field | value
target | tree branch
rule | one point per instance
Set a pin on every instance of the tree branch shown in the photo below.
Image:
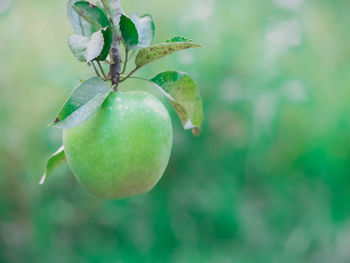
(116, 58)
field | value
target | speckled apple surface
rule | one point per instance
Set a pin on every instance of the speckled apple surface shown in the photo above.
(124, 148)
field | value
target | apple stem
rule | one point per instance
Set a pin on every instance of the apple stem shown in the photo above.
(115, 67)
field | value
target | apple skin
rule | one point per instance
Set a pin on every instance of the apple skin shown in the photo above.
(124, 148)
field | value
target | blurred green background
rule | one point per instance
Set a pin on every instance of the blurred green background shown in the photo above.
(268, 179)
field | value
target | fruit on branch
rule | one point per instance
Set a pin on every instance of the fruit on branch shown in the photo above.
(118, 144)
(124, 148)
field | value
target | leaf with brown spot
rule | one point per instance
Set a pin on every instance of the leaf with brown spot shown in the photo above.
(83, 102)
(183, 94)
(149, 54)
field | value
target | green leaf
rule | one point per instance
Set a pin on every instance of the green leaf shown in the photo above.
(83, 102)
(145, 28)
(108, 39)
(182, 39)
(98, 20)
(129, 32)
(149, 54)
(114, 9)
(183, 94)
(92, 14)
(79, 25)
(86, 49)
(55, 160)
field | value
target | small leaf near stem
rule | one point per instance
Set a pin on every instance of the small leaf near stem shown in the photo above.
(86, 49)
(92, 14)
(98, 21)
(145, 29)
(129, 32)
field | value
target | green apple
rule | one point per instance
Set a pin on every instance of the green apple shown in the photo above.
(124, 148)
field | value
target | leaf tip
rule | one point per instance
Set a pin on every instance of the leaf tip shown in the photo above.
(196, 131)
(42, 180)
(53, 124)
